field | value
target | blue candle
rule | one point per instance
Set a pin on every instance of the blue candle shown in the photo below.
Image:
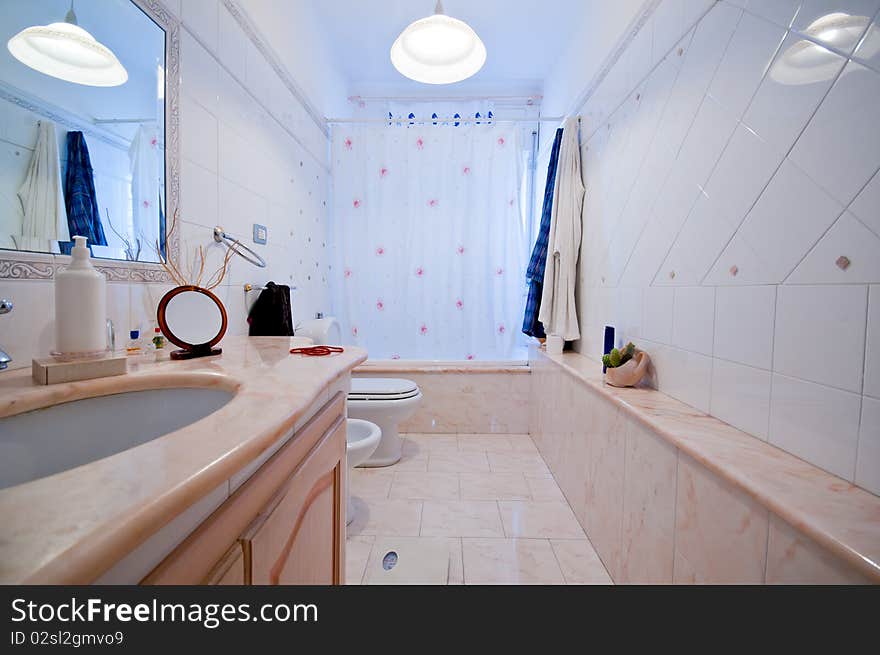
(609, 342)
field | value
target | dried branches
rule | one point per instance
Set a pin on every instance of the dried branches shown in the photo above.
(194, 272)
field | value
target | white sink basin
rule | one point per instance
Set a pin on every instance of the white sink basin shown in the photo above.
(57, 438)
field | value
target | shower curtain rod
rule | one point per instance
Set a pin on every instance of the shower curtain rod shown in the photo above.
(529, 98)
(536, 119)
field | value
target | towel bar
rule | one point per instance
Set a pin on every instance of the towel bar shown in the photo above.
(238, 247)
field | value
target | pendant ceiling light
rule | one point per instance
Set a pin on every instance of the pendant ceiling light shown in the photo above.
(438, 49)
(68, 52)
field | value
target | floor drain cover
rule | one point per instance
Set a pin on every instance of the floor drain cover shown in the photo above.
(389, 561)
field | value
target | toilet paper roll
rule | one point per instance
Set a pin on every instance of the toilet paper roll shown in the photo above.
(555, 344)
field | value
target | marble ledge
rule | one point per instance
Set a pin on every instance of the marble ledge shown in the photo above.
(415, 366)
(70, 527)
(843, 518)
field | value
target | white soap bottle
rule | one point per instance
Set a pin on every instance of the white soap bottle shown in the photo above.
(80, 305)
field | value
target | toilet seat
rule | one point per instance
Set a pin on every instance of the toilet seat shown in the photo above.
(382, 389)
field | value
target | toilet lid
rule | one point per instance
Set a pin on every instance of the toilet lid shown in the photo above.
(382, 389)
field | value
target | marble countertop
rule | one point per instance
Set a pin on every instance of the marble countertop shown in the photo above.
(69, 527)
(840, 516)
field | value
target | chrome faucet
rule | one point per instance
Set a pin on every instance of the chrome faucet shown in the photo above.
(5, 308)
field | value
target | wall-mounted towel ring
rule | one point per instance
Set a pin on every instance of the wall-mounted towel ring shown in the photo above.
(238, 247)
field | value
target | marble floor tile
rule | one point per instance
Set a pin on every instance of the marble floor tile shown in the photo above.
(420, 561)
(522, 443)
(432, 442)
(510, 561)
(369, 483)
(456, 563)
(579, 562)
(529, 463)
(487, 443)
(412, 459)
(415, 485)
(357, 553)
(385, 517)
(457, 462)
(462, 518)
(539, 520)
(494, 486)
(544, 487)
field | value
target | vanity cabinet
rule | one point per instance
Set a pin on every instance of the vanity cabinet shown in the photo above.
(285, 525)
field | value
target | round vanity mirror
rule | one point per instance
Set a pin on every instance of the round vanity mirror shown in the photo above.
(194, 319)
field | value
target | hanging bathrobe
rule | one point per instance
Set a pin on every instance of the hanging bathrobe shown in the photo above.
(535, 271)
(42, 200)
(558, 312)
(83, 218)
(144, 159)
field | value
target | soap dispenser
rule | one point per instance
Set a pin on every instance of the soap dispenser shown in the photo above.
(80, 305)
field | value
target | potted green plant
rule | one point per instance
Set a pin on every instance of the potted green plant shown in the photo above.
(625, 367)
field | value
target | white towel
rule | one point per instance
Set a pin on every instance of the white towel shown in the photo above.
(558, 311)
(41, 195)
(144, 159)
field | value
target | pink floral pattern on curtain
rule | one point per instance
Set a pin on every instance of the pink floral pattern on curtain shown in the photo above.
(446, 210)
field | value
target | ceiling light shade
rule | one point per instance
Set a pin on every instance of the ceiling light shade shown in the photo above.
(438, 49)
(68, 52)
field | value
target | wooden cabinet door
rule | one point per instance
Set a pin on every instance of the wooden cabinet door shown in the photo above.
(299, 538)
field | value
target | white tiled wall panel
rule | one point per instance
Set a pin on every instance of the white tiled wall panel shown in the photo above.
(732, 216)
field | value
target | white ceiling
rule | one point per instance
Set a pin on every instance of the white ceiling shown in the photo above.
(524, 38)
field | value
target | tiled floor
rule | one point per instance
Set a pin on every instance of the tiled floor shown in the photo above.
(486, 503)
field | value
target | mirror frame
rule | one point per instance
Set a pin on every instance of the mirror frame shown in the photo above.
(25, 265)
(191, 349)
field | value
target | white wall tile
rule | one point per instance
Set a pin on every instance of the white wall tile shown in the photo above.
(866, 206)
(872, 347)
(787, 98)
(702, 238)
(744, 324)
(233, 44)
(868, 51)
(849, 238)
(841, 146)
(199, 71)
(710, 132)
(749, 54)
(694, 319)
(781, 12)
(198, 194)
(788, 219)
(815, 328)
(684, 375)
(810, 17)
(202, 16)
(817, 423)
(657, 324)
(745, 168)
(868, 461)
(741, 396)
(198, 134)
(29, 329)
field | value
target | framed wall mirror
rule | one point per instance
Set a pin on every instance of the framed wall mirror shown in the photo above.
(89, 143)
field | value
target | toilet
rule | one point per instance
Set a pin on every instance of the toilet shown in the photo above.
(361, 440)
(383, 401)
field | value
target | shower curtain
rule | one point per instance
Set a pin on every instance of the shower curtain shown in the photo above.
(429, 240)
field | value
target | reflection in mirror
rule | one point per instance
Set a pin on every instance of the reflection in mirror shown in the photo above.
(194, 319)
(78, 159)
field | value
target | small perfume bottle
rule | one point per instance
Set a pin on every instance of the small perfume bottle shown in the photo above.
(133, 347)
(158, 339)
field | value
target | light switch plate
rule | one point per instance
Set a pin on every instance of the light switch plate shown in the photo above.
(261, 234)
